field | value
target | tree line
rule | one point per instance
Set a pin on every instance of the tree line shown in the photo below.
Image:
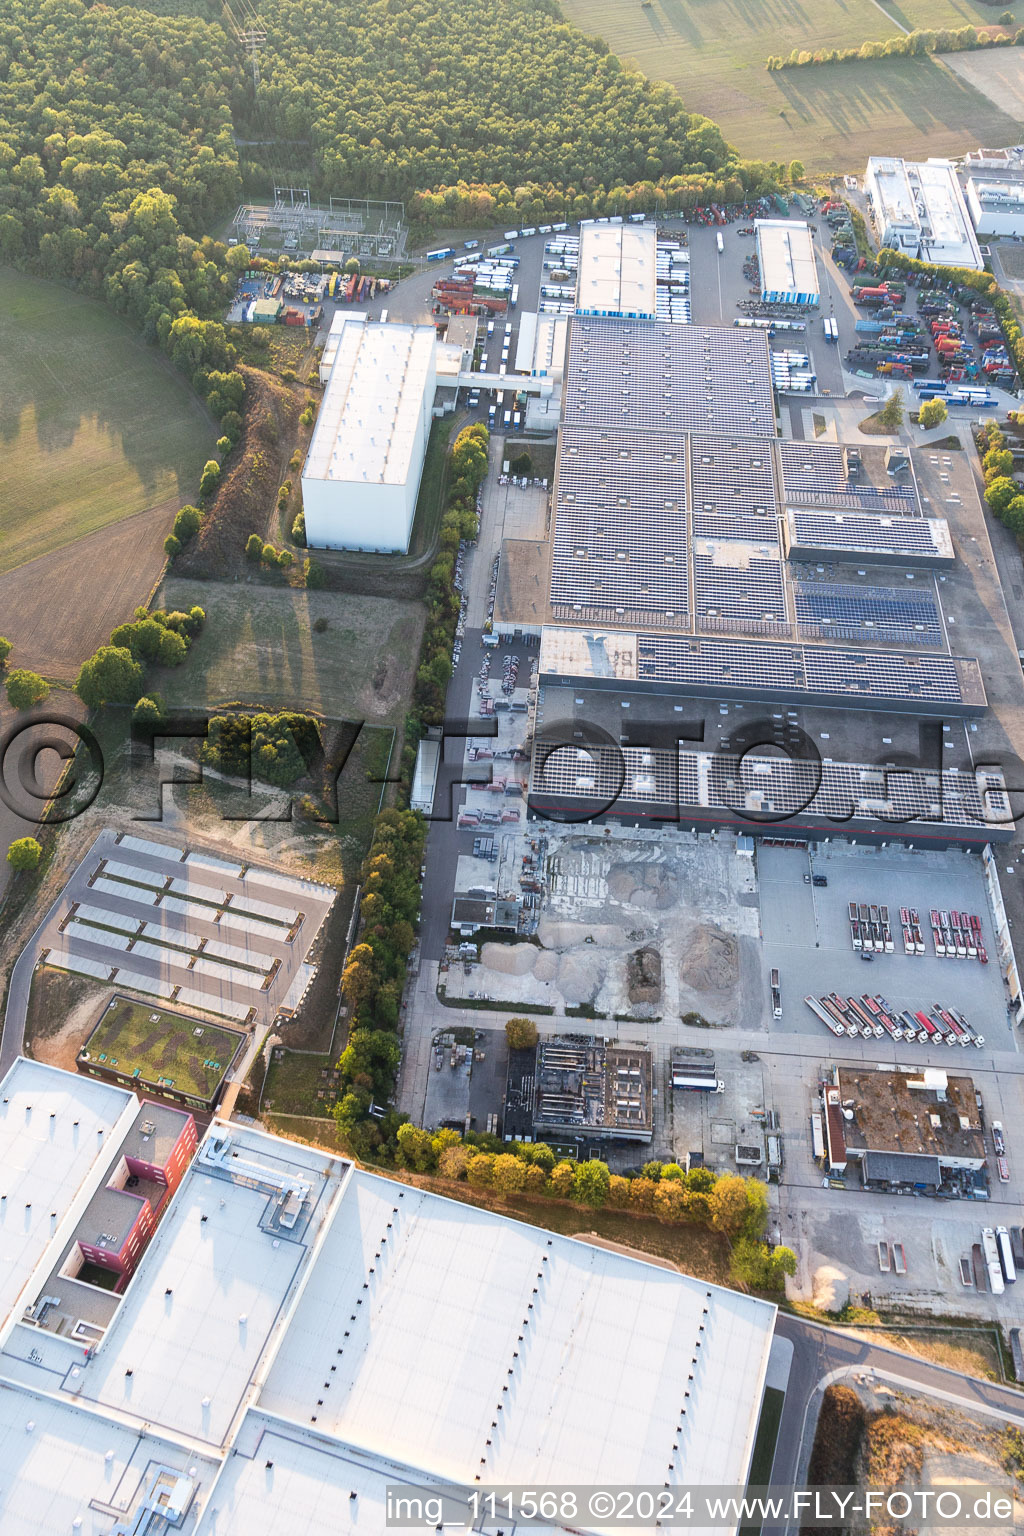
(735, 1207)
(511, 103)
(1003, 495)
(116, 155)
(903, 45)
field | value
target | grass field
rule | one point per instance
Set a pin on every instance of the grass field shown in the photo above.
(260, 647)
(144, 1043)
(95, 426)
(831, 116)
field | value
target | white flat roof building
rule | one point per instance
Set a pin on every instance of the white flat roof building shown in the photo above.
(617, 273)
(594, 1389)
(342, 317)
(319, 1333)
(56, 1134)
(919, 209)
(785, 252)
(363, 467)
(996, 205)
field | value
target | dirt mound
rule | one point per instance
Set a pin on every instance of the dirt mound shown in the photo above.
(546, 967)
(652, 886)
(643, 976)
(579, 977)
(711, 960)
(248, 493)
(512, 959)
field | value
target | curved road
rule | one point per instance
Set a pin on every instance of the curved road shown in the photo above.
(822, 1355)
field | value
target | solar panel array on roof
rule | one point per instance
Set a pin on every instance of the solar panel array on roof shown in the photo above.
(620, 544)
(742, 592)
(658, 377)
(923, 538)
(731, 475)
(816, 474)
(846, 611)
(758, 785)
(880, 678)
(747, 527)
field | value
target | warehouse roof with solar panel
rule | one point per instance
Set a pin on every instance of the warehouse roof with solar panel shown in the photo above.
(697, 557)
(340, 1331)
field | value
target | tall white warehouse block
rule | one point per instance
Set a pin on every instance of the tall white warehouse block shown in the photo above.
(362, 472)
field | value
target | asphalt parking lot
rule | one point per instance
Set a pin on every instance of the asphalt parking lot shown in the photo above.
(793, 911)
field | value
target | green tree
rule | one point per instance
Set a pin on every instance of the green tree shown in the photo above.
(1000, 492)
(509, 1174)
(536, 1180)
(591, 1183)
(314, 575)
(254, 548)
(149, 709)
(480, 1169)
(112, 676)
(24, 854)
(932, 413)
(669, 1200)
(452, 1162)
(5, 650)
(187, 524)
(299, 530)
(24, 688)
(172, 649)
(541, 1156)
(618, 1192)
(521, 1034)
(415, 1148)
(209, 479)
(1013, 517)
(561, 1180)
(890, 417)
(728, 1203)
(997, 462)
(641, 1194)
(796, 171)
(172, 546)
(756, 1214)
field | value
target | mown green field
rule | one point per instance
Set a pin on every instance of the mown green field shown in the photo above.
(94, 426)
(260, 647)
(832, 117)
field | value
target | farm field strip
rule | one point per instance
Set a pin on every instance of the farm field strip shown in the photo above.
(828, 116)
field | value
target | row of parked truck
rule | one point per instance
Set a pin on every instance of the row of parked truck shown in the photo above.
(876, 1016)
(955, 935)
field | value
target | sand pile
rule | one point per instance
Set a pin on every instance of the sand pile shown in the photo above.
(512, 959)
(831, 1289)
(579, 976)
(711, 960)
(546, 967)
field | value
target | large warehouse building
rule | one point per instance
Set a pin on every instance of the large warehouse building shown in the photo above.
(362, 472)
(292, 1347)
(997, 204)
(919, 209)
(617, 273)
(742, 630)
(785, 253)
